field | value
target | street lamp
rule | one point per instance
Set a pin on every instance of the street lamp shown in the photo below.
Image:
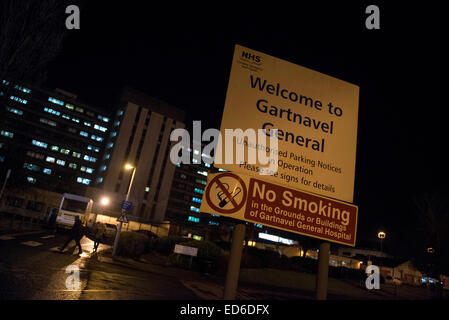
(381, 235)
(117, 236)
(105, 201)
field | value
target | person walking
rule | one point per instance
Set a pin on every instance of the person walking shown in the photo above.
(99, 235)
(76, 233)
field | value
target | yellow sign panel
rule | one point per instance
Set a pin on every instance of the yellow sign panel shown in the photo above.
(315, 116)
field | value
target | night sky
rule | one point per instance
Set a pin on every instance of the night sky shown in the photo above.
(183, 55)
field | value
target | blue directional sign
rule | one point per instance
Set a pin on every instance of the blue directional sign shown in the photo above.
(127, 205)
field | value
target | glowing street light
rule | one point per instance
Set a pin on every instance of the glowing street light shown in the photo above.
(381, 235)
(105, 201)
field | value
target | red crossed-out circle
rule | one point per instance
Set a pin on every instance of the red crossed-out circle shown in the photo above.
(216, 180)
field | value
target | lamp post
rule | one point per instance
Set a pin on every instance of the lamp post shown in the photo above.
(119, 229)
(381, 235)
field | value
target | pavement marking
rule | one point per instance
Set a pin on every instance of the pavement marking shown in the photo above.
(32, 243)
(48, 237)
(6, 237)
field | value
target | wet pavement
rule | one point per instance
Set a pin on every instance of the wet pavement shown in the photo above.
(32, 268)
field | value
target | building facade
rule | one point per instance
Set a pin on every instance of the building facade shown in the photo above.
(140, 138)
(50, 140)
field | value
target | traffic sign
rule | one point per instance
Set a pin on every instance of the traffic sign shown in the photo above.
(127, 205)
(123, 218)
(262, 202)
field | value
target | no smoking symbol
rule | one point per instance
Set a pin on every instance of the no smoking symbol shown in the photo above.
(222, 193)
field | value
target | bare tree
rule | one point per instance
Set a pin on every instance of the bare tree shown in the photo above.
(31, 35)
(432, 230)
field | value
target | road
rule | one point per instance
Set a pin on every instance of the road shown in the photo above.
(31, 268)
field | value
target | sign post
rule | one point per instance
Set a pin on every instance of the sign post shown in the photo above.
(232, 275)
(322, 273)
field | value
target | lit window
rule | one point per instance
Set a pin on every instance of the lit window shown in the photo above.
(7, 134)
(105, 119)
(76, 154)
(23, 89)
(213, 223)
(100, 180)
(103, 168)
(49, 122)
(69, 106)
(65, 116)
(193, 219)
(23, 101)
(183, 176)
(6, 83)
(195, 199)
(39, 144)
(87, 169)
(56, 101)
(54, 148)
(201, 181)
(73, 165)
(96, 138)
(60, 162)
(193, 208)
(88, 124)
(83, 180)
(195, 160)
(50, 159)
(79, 109)
(204, 173)
(147, 189)
(76, 120)
(31, 180)
(96, 149)
(207, 165)
(119, 113)
(102, 129)
(15, 111)
(47, 171)
(31, 167)
(2, 159)
(65, 151)
(89, 158)
(198, 190)
(222, 170)
(107, 156)
(84, 134)
(52, 111)
(110, 145)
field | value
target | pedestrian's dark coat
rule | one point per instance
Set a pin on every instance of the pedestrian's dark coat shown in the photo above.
(76, 230)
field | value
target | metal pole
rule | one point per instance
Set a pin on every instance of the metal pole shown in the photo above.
(119, 229)
(232, 275)
(323, 269)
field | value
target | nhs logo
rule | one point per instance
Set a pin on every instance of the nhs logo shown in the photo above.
(250, 56)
